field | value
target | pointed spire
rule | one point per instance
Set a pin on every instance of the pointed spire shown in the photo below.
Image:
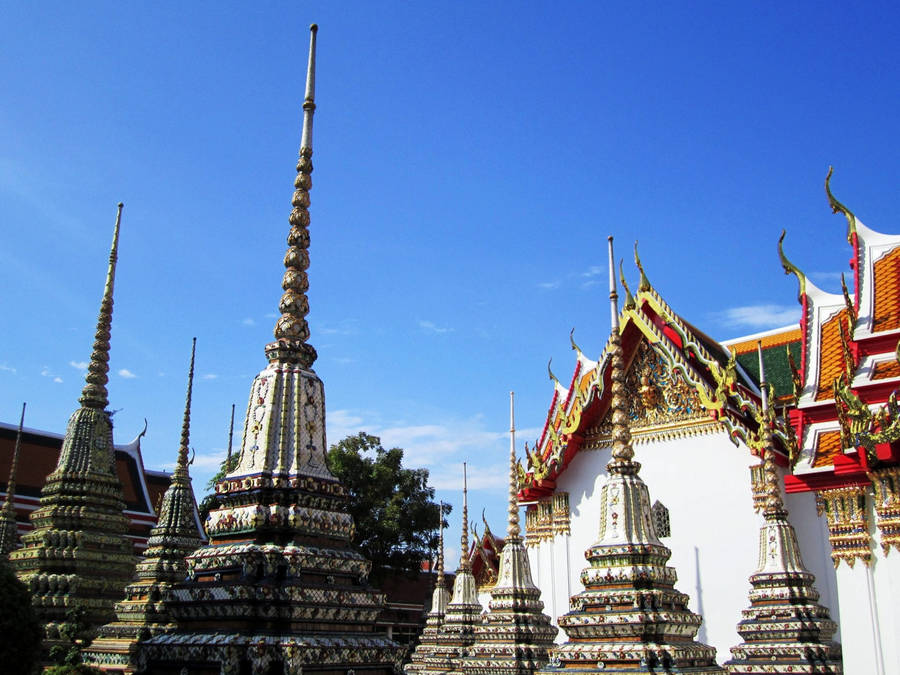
(513, 529)
(182, 465)
(464, 563)
(774, 505)
(291, 329)
(94, 394)
(622, 452)
(9, 534)
(230, 439)
(440, 557)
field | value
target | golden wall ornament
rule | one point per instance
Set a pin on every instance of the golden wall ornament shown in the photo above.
(758, 487)
(886, 482)
(560, 513)
(848, 529)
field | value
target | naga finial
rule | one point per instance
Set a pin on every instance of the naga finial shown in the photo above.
(291, 328)
(791, 268)
(644, 283)
(183, 463)
(94, 394)
(837, 207)
(550, 373)
(852, 314)
(572, 342)
(629, 298)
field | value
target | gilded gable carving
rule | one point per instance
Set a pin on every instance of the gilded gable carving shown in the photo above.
(661, 402)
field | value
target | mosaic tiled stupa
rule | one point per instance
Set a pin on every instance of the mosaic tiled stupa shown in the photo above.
(9, 528)
(785, 629)
(143, 613)
(77, 555)
(456, 635)
(515, 636)
(428, 639)
(279, 589)
(629, 618)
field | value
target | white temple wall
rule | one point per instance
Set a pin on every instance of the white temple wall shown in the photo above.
(870, 597)
(704, 482)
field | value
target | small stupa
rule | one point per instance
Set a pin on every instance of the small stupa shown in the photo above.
(457, 633)
(515, 636)
(9, 527)
(78, 554)
(143, 613)
(279, 588)
(428, 639)
(629, 618)
(785, 629)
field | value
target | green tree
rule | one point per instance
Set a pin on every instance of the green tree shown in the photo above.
(80, 635)
(393, 508)
(210, 501)
(20, 630)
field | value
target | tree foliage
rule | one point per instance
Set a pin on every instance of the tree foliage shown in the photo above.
(20, 630)
(210, 501)
(393, 507)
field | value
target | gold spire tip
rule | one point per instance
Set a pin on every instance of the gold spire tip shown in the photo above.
(313, 27)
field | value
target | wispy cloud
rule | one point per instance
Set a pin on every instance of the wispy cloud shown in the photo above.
(826, 277)
(758, 317)
(7, 369)
(342, 327)
(587, 284)
(431, 327)
(549, 285)
(47, 372)
(79, 365)
(210, 376)
(248, 321)
(127, 374)
(594, 271)
(343, 360)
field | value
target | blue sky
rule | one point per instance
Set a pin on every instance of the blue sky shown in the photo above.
(470, 161)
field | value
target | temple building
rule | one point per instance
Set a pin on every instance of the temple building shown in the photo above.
(143, 613)
(279, 587)
(694, 408)
(78, 554)
(142, 488)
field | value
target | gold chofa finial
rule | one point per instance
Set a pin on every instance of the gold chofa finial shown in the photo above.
(292, 329)
(837, 207)
(94, 394)
(791, 268)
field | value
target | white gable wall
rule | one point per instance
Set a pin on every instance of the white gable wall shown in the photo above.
(704, 481)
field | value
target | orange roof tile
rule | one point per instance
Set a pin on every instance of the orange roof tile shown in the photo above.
(886, 369)
(831, 354)
(828, 446)
(886, 314)
(776, 340)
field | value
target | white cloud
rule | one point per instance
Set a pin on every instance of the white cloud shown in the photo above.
(58, 380)
(45, 371)
(342, 327)
(431, 327)
(248, 322)
(127, 374)
(7, 369)
(826, 277)
(343, 360)
(758, 317)
(210, 376)
(549, 285)
(593, 271)
(79, 365)
(587, 284)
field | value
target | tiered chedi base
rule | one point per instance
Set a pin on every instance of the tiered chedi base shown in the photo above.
(77, 555)
(785, 630)
(630, 618)
(457, 634)
(515, 636)
(143, 614)
(279, 587)
(429, 638)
